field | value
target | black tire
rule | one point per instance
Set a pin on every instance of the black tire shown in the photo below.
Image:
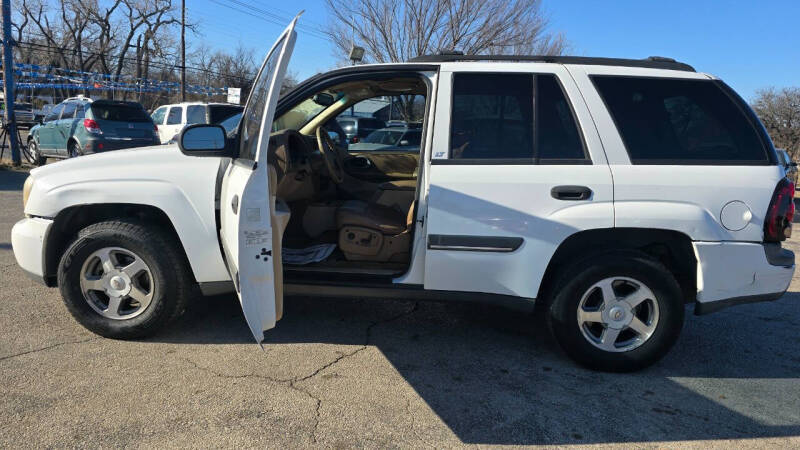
(171, 277)
(73, 150)
(577, 279)
(34, 155)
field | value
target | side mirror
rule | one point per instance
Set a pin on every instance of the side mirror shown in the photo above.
(323, 99)
(202, 140)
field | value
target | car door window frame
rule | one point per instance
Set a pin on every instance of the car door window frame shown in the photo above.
(533, 160)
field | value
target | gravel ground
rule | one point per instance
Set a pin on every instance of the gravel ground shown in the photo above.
(358, 373)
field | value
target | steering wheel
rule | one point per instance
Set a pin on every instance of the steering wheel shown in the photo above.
(333, 160)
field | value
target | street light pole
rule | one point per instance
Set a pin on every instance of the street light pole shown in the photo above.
(183, 50)
(8, 84)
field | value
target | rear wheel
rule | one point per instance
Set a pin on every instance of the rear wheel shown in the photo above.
(73, 150)
(124, 279)
(616, 312)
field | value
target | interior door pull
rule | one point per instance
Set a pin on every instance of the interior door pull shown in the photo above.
(571, 193)
(235, 204)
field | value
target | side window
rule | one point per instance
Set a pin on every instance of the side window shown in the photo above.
(158, 115)
(195, 114)
(80, 111)
(174, 117)
(54, 113)
(680, 121)
(69, 110)
(492, 116)
(557, 137)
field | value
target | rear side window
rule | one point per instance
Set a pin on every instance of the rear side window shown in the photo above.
(557, 135)
(678, 121)
(174, 116)
(492, 116)
(196, 114)
(69, 110)
(513, 119)
(121, 112)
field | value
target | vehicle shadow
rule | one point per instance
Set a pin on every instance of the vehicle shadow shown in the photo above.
(12, 180)
(494, 376)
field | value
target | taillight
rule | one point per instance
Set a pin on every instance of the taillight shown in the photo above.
(92, 126)
(354, 140)
(778, 223)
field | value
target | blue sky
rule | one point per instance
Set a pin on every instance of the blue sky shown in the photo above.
(749, 44)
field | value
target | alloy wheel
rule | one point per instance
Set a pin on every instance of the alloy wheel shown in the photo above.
(618, 314)
(116, 283)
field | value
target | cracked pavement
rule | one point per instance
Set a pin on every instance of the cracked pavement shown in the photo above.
(372, 373)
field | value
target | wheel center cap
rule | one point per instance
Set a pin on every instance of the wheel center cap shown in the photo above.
(118, 285)
(618, 316)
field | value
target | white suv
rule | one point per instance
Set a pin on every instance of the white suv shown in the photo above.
(610, 192)
(171, 119)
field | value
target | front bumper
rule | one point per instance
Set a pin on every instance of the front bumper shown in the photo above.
(732, 273)
(27, 239)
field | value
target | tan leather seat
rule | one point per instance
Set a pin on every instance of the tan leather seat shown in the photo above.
(371, 215)
(373, 232)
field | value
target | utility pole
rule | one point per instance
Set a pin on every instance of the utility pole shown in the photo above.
(183, 50)
(8, 84)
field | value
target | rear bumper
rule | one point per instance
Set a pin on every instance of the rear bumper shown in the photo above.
(27, 240)
(107, 144)
(733, 273)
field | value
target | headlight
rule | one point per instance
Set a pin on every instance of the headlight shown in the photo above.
(26, 190)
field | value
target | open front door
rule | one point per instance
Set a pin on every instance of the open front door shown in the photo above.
(252, 222)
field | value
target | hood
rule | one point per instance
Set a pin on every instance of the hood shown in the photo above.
(134, 174)
(121, 162)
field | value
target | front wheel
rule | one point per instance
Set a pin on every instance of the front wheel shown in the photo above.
(124, 279)
(33, 154)
(616, 312)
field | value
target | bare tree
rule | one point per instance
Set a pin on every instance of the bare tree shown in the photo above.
(396, 30)
(779, 111)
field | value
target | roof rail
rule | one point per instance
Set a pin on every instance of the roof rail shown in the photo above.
(652, 62)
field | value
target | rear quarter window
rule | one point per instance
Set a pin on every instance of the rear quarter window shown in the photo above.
(681, 121)
(119, 112)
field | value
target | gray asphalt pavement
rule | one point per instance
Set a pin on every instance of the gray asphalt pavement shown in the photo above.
(353, 373)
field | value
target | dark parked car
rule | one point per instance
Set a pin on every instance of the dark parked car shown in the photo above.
(80, 126)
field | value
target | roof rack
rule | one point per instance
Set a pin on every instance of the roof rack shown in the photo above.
(652, 62)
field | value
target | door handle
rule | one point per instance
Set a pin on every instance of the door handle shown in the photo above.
(571, 192)
(235, 204)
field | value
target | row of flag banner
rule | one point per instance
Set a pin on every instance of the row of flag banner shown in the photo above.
(49, 77)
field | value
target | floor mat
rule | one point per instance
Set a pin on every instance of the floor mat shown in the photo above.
(308, 255)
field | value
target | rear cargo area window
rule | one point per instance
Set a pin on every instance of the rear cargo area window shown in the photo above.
(119, 112)
(678, 121)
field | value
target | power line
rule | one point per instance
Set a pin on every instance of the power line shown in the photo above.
(259, 14)
(32, 45)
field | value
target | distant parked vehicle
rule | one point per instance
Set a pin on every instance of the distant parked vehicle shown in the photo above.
(23, 113)
(79, 126)
(386, 139)
(357, 128)
(171, 119)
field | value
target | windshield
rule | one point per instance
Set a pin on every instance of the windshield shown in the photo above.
(385, 137)
(302, 113)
